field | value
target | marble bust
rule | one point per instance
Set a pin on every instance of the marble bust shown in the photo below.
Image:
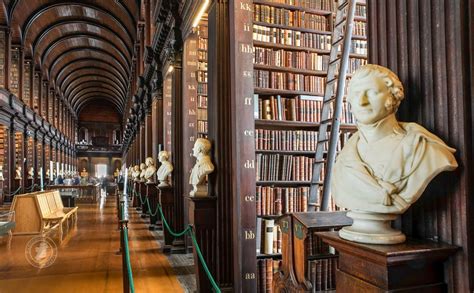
(31, 173)
(165, 169)
(1, 173)
(150, 170)
(18, 173)
(136, 173)
(142, 172)
(386, 165)
(83, 172)
(47, 173)
(202, 168)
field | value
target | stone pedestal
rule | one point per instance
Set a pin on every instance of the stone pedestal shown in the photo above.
(135, 200)
(202, 215)
(414, 266)
(142, 205)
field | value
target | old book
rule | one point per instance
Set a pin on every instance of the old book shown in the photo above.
(269, 226)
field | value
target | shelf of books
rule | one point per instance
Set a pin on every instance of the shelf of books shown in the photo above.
(4, 154)
(19, 152)
(3, 44)
(292, 41)
(201, 75)
(30, 152)
(47, 160)
(36, 91)
(39, 157)
(15, 71)
(26, 95)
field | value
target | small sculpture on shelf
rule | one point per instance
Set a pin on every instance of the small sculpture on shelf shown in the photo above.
(18, 173)
(150, 170)
(84, 173)
(142, 172)
(165, 169)
(31, 173)
(136, 173)
(385, 166)
(202, 168)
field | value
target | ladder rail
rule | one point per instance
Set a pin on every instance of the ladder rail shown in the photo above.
(336, 123)
(335, 60)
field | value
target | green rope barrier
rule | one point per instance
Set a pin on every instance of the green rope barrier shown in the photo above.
(15, 192)
(127, 258)
(149, 208)
(196, 245)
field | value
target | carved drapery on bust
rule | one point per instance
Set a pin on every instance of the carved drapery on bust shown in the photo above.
(165, 169)
(202, 168)
(31, 173)
(136, 173)
(386, 165)
(150, 170)
(142, 172)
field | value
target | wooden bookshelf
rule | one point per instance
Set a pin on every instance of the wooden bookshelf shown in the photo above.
(285, 118)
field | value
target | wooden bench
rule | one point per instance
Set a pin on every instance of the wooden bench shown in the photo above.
(41, 212)
(7, 223)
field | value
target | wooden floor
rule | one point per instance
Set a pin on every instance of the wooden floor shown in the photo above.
(87, 259)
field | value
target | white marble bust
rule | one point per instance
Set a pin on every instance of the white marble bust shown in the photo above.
(136, 173)
(150, 170)
(1, 173)
(385, 166)
(18, 173)
(142, 172)
(47, 173)
(31, 173)
(165, 169)
(202, 168)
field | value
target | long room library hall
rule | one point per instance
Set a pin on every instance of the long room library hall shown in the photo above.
(254, 146)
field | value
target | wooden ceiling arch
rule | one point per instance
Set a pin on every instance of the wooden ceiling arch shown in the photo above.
(86, 83)
(82, 73)
(84, 48)
(75, 68)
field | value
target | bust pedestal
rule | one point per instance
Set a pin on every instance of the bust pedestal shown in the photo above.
(166, 199)
(413, 266)
(202, 215)
(135, 200)
(142, 192)
(152, 195)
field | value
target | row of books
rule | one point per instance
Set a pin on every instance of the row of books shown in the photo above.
(317, 246)
(26, 83)
(322, 274)
(291, 37)
(2, 57)
(15, 71)
(361, 10)
(202, 76)
(289, 81)
(304, 108)
(291, 59)
(202, 114)
(327, 5)
(202, 45)
(276, 201)
(202, 126)
(277, 167)
(202, 55)
(265, 270)
(297, 19)
(268, 238)
(359, 28)
(202, 89)
(202, 101)
(202, 66)
(291, 140)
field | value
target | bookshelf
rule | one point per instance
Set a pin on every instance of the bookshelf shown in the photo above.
(36, 93)
(39, 157)
(4, 154)
(19, 151)
(3, 46)
(27, 83)
(201, 76)
(15, 71)
(30, 149)
(292, 40)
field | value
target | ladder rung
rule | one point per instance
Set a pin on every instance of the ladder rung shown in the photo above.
(343, 5)
(334, 61)
(340, 40)
(339, 23)
(325, 121)
(329, 100)
(331, 81)
(323, 140)
(320, 162)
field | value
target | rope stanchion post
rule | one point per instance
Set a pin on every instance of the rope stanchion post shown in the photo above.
(123, 229)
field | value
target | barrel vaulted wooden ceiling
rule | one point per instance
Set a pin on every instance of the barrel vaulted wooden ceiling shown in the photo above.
(84, 48)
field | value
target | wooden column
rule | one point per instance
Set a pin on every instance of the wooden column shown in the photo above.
(429, 45)
(177, 155)
(231, 130)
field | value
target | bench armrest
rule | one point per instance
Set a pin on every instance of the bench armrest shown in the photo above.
(10, 215)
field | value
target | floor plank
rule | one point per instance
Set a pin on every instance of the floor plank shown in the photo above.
(87, 260)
